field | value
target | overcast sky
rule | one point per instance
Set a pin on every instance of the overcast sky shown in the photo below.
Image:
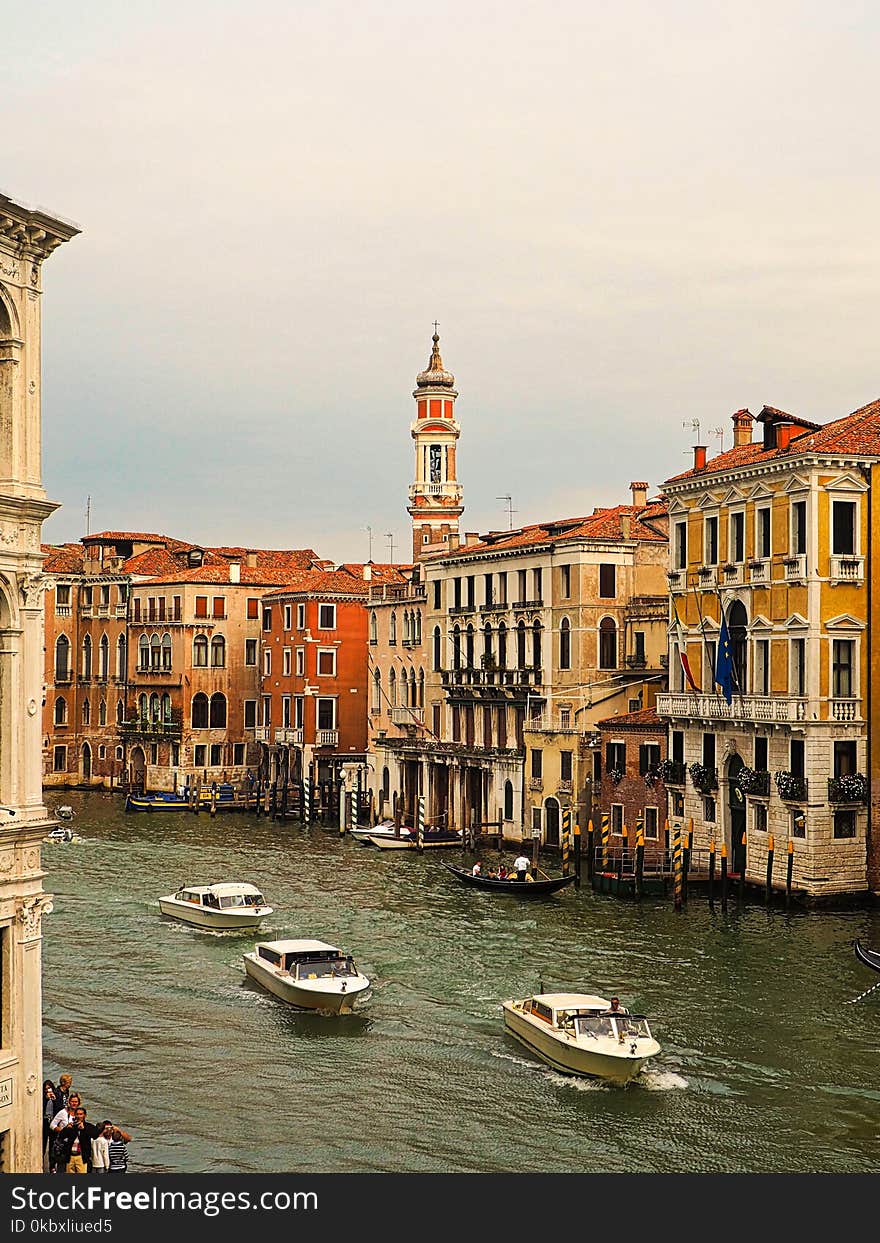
(624, 217)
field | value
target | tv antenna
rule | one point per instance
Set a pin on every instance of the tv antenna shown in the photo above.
(370, 538)
(719, 432)
(389, 535)
(694, 424)
(509, 507)
(88, 515)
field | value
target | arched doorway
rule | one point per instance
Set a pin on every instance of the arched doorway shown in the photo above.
(736, 805)
(138, 768)
(86, 762)
(551, 822)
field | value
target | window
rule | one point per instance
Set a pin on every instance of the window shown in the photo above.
(250, 713)
(709, 751)
(608, 581)
(238, 754)
(326, 662)
(155, 652)
(216, 754)
(86, 712)
(615, 757)
(326, 713)
(435, 650)
(761, 755)
(299, 708)
(487, 589)
(565, 765)
(844, 758)
(59, 759)
(288, 617)
(102, 712)
(762, 667)
(253, 608)
(438, 594)
(86, 597)
(374, 630)
(267, 618)
(639, 653)
(62, 657)
(650, 823)
(678, 746)
(392, 628)
(845, 822)
(798, 823)
(200, 651)
(102, 752)
(286, 662)
(537, 580)
(87, 657)
(709, 810)
(326, 616)
(60, 710)
(737, 537)
(201, 606)
(267, 710)
(677, 803)
(267, 662)
(120, 658)
(218, 652)
(565, 718)
(502, 587)
(796, 757)
(201, 752)
(762, 531)
(218, 711)
(508, 800)
(200, 711)
(62, 594)
(649, 758)
(710, 556)
(565, 581)
(680, 547)
(565, 644)
(300, 662)
(537, 762)
(759, 817)
(843, 528)
(798, 527)
(300, 617)
(798, 667)
(219, 606)
(136, 604)
(617, 818)
(607, 644)
(104, 658)
(521, 582)
(154, 753)
(842, 668)
(250, 651)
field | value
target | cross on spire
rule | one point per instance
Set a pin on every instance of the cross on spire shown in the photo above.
(436, 325)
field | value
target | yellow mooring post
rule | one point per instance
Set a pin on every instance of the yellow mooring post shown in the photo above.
(640, 862)
(768, 890)
(686, 863)
(605, 832)
(711, 873)
(591, 837)
(566, 840)
(724, 876)
(676, 866)
(576, 855)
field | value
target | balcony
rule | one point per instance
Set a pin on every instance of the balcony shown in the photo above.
(529, 604)
(85, 610)
(496, 607)
(462, 610)
(491, 677)
(547, 725)
(262, 733)
(672, 772)
(795, 568)
(121, 611)
(851, 788)
(731, 574)
(288, 734)
(705, 779)
(407, 716)
(563, 787)
(150, 730)
(754, 782)
(759, 572)
(792, 788)
(63, 610)
(677, 580)
(103, 610)
(754, 708)
(327, 738)
(844, 710)
(63, 676)
(536, 783)
(707, 578)
(636, 662)
(847, 569)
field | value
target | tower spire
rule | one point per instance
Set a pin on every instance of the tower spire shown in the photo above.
(435, 495)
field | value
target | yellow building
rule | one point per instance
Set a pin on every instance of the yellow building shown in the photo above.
(777, 532)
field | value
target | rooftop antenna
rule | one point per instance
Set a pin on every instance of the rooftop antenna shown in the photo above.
(719, 432)
(694, 424)
(389, 535)
(509, 507)
(370, 538)
(88, 515)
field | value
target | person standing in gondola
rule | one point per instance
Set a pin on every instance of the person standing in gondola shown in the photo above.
(521, 866)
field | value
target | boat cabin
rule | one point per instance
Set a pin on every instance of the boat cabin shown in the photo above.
(586, 1016)
(221, 897)
(306, 960)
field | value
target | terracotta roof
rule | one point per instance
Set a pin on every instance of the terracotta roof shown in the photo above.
(219, 574)
(63, 559)
(272, 558)
(602, 524)
(857, 433)
(133, 536)
(645, 718)
(322, 582)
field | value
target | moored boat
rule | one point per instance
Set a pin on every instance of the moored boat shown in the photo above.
(180, 800)
(385, 828)
(530, 888)
(868, 958)
(580, 1034)
(223, 907)
(310, 975)
(433, 839)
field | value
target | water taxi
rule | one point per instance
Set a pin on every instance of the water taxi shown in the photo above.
(230, 905)
(433, 839)
(580, 1034)
(311, 975)
(385, 828)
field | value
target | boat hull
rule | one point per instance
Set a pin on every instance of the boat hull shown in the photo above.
(326, 996)
(403, 843)
(515, 888)
(868, 958)
(569, 1058)
(207, 917)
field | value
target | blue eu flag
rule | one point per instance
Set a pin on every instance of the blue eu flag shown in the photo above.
(724, 662)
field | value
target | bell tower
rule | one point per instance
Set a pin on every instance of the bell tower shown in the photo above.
(435, 495)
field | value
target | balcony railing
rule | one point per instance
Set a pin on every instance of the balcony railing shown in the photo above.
(742, 708)
(759, 571)
(327, 738)
(529, 604)
(563, 787)
(705, 779)
(63, 610)
(792, 789)
(63, 675)
(461, 610)
(547, 725)
(707, 577)
(536, 783)
(141, 728)
(677, 580)
(845, 710)
(289, 734)
(731, 574)
(121, 610)
(495, 607)
(795, 567)
(672, 772)
(491, 677)
(853, 788)
(262, 733)
(407, 716)
(848, 569)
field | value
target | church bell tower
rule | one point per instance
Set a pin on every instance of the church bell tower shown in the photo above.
(435, 497)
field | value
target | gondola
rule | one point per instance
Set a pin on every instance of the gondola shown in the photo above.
(870, 958)
(519, 888)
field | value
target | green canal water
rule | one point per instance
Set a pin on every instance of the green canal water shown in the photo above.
(765, 1067)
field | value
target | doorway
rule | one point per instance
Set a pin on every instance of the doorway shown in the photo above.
(736, 804)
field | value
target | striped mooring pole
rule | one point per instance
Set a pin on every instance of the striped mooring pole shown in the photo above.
(591, 858)
(605, 832)
(724, 876)
(686, 862)
(676, 866)
(576, 855)
(307, 801)
(566, 841)
(420, 824)
(640, 860)
(354, 800)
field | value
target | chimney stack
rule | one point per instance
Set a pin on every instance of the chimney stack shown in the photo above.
(252, 560)
(234, 572)
(639, 495)
(471, 538)
(368, 572)
(783, 435)
(699, 457)
(624, 525)
(742, 428)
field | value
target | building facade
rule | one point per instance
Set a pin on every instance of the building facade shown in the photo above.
(27, 238)
(779, 533)
(630, 792)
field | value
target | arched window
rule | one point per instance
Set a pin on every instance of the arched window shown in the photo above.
(374, 632)
(142, 706)
(155, 652)
(392, 632)
(218, 711)
(392, 689)
(421, 702)
(418, 634)
(120, 658)
(166, 707)
(456, 648)
(200, 652)
(377, 692)
(87, 657)
(200, 711)
(60, 710)
(536, 645)
(487, 646)
(104, 658)
(521, 645)
(143, 652)
(413, 689)
(62, 657)
(218, 652)
(120, 711)
(166, 651)
(737, 623)
(469, 647)
(102, 712)
(565, 644)
(87, 712)
(502, 646)
(386, 783)
(155, 709)
(607, 643)
(435, 654)
(508, 800)
(407, 626)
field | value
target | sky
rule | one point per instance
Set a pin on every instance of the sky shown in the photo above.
(624, 217)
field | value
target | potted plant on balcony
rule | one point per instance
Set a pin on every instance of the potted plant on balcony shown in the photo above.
(752, 781)
(652, 774)
(790, 787)
(616, 775)
(851, 788)
(702, 777)
(666, 771)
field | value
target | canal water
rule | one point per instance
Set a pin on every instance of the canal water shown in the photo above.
(764, 1066)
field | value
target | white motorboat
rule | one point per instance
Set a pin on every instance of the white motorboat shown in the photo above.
(385, 828)
(581, 1034)
(311, 975)
(227, 906)
(432, 839)
(62, 833)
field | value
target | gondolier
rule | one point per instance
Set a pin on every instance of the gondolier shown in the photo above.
(521, 866)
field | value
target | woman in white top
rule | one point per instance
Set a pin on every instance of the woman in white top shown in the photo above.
(101, 1149)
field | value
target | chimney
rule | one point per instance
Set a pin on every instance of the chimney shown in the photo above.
(368, 572)
(454, 540)
(742, 428)
(699, 457)
(624, 525)
(252, 560)
(784, 433)
(234, 572)
(471, 538)
(639, 495)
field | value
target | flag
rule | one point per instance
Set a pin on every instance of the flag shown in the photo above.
(724, 662)
(682, 649)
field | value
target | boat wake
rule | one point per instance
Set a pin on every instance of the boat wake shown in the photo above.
(661, 1080)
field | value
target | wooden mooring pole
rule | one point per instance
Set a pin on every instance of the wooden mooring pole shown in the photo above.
(712, 874)
(724, 876)
(420, 824)
(566, 841)
(768, 888)
(788, 871)
(742, 871)
(576, 855)
(686, 862)
(591, 840)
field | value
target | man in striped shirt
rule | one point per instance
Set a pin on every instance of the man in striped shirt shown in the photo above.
(118, 1152)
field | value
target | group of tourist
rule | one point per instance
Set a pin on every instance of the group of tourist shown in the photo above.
(520, 870)
(72, 1144)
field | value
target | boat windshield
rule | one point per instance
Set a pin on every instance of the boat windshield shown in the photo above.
(594, 1025)
(632, 1025)
(324, 968)
(241, 899)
